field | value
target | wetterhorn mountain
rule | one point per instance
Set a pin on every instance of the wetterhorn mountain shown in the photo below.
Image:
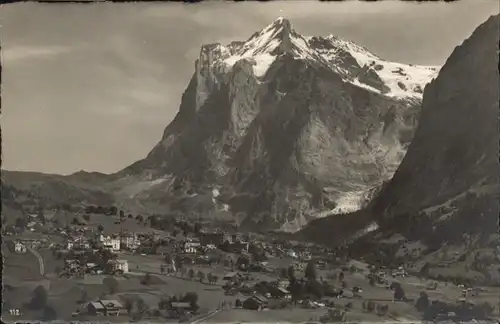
(286, 127)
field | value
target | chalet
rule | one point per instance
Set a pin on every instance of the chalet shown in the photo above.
(191, 247)
(111, 242)
(240, 246)
(18, 247)
(256, 302)
(105, 308)
(283, 283)
(282, 293)
(79, 243)
(31, 243)
(119, 266)
(71, 264)
(129, 241)
(231, 276)
(96, 309)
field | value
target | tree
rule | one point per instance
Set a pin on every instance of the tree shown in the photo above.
(41, 216)
(163, 303)
(84, 296)
(39, 298)
(291, 274)
(168, 258)
(423, 302)
(315, 288)
(49, 314)
(242, 261)
(128, 305)
(111, 284)
(370, 306)
(191, 273)
(141, 309)
(201, 276)
(424, 271)
(310, 271)
(296, 289)
(21, 223)
(178, 262)
(192, 299)
(399, 293)
(197, 228)
(382, 310)
(146, 280)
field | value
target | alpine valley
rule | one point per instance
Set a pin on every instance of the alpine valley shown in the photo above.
(441, 206)
(272, 132)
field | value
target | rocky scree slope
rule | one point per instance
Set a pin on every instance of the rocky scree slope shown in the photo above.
(286, 127)
(445, 191)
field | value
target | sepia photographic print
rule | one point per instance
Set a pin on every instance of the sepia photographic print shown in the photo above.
(250, 162)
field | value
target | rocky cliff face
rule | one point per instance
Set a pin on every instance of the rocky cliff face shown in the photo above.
(287, 127)
(450, 173)
(446, 188)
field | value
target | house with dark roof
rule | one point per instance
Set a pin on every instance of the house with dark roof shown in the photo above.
(231, 276)
(255, 302)
(105, 308)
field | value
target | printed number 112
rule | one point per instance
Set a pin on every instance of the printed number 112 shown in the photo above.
(14, 312)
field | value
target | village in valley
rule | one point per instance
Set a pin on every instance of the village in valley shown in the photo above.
(103, 264)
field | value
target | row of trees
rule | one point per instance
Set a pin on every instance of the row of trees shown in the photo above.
(463, 312)
(110, 210)
(192, 274)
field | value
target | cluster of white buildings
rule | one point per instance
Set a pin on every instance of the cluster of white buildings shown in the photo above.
(122, 241)
(114, 242)
(78, 243)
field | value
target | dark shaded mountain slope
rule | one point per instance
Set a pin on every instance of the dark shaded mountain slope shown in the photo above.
(445, 192)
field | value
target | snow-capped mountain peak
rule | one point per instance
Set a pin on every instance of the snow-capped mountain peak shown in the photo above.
(274, 39)
(355, 64)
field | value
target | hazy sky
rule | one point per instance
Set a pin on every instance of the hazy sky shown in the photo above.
(93, 86)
